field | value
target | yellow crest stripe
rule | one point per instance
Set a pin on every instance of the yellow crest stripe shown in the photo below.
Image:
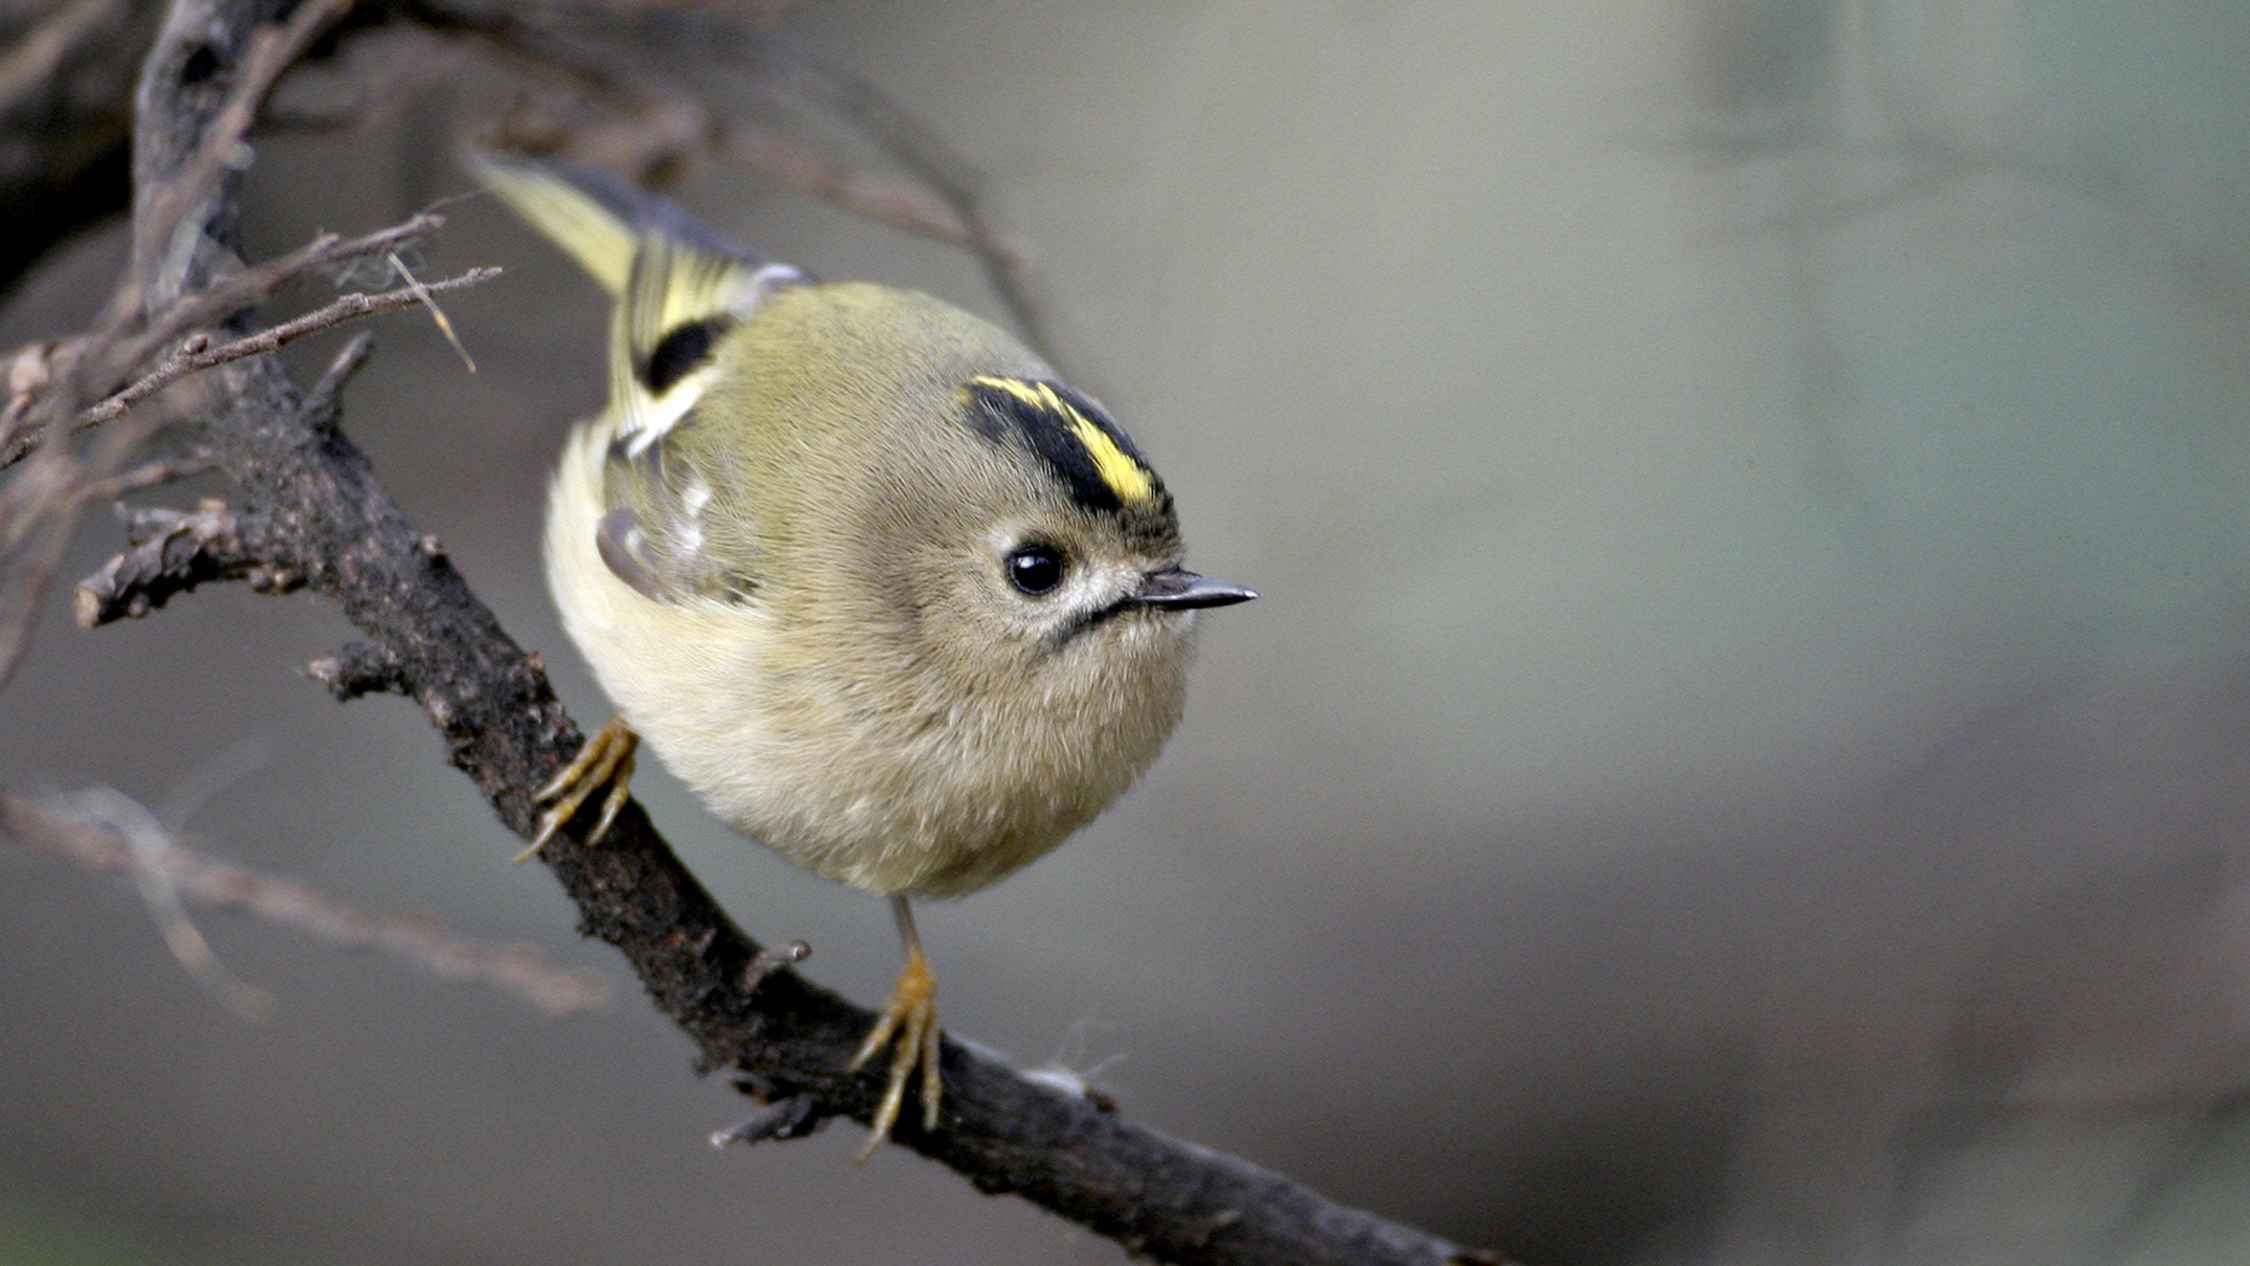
(1126, 477)
(1016, 387)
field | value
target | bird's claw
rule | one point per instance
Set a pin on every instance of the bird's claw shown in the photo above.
(605, 760)
(910, 1018)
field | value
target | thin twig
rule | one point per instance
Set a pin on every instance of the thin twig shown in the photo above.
(33, 60)
(898, 204)
(346, 308)
(324, 405)
(149, 855)
(437, 314)
(97, 842)
(141, 478)
(173, 552)
(66, 88)
(228, 296)
(197, 356)
(239, 290)
(916, 146)
(39, 511)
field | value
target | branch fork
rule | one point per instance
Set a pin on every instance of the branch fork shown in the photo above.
(172, 552)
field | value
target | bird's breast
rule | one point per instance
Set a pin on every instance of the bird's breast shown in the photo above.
(937, 798)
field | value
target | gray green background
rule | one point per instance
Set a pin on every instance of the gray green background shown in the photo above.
(1741, 759)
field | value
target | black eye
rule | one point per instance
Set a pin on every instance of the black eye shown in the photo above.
(1036, 569)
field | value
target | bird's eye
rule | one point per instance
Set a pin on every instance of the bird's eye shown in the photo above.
(1035, 569)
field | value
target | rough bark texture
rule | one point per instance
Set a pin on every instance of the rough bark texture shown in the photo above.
(325, 522)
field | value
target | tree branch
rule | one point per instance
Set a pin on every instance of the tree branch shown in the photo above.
(172, 553)
(516, 969)
(323, 520)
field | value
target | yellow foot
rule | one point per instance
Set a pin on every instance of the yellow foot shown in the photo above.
(912, 1018)
(605, 760)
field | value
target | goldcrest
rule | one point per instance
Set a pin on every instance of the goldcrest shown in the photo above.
(882, 591)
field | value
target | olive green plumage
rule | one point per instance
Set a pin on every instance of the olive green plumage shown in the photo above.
(885, 595)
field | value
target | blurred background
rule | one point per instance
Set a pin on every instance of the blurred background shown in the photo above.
(1741, 760)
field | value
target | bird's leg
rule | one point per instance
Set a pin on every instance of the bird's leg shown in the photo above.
(911, 1017)
(605, 760)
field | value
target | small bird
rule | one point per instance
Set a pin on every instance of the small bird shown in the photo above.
(887, 595)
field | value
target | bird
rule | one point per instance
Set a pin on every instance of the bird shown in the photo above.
(886, 593)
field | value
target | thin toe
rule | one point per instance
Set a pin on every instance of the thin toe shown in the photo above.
(605, 761)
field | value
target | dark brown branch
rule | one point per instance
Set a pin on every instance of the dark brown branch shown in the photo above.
(520, 970)
(324, 518)
(359, 669)
(172, 553)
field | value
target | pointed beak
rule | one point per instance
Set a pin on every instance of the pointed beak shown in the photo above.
(1174, 589)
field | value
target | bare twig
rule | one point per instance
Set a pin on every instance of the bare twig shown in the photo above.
(437, 314)
(791, 1118)
(141, 478)
(769, 960)
(96, 833)
(239, 290)
(324, 402)
(197, 353)
(199, 356)
(900, 205)
(39, 510)
(172, 553)
(33, 404)
(916, 146)
(148, 854)
(30, 64)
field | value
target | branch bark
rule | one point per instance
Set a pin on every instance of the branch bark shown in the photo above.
(172, 553)
(325, 522)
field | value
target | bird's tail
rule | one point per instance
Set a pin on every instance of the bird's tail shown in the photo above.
(679, 287)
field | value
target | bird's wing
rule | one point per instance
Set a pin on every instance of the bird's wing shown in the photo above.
(679, 290)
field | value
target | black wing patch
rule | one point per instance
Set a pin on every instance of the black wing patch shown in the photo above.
(682, 352)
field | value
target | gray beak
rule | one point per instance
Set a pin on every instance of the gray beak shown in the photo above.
(1177, 590)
